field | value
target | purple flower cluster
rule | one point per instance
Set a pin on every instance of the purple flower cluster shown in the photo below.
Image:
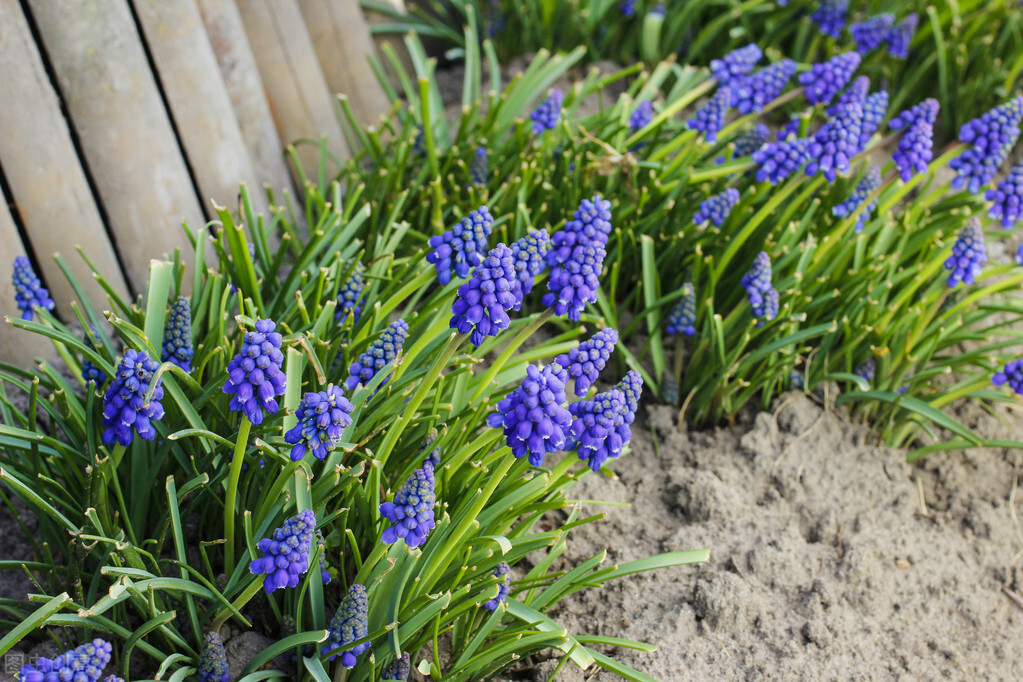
(254, 376)
(825, 80)
(433, 456)
(585, 363)
(591, 224)
(1007, 198)
(916, 145)
(628, 8)
(411, 513)
(778, 160)
(91, 372)
(641, 116)
(533, 416)
(1011, 374)
(760, 290)
(669, 388)
(1019, 255)
(710, 118)
(530, 254)
(479, 167)
(750, 141)
(754, 92)
(375, 358)
(213, 666)
(716, 208)
(322, 416)
(462, 247)
(349, 624)
(836, 142)
(177, 335)
(28, 290)
(875, 106)
(398, 669)
(125, 411)
(901, 35)
(830, 16)
(870, 182)
(682, 318)
(632, 386)
(599, 428)
(547, 114)
(735, 65)
(865, 370)
(482, 302)
(286, 553)
(84, 663)
(968, 255)
(991, 138)
(502, 573)
(349, 296)
(574, 283)
(871, 32)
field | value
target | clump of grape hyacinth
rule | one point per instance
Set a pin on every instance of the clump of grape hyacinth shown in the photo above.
(836, 142)
(462, 247)
(482, 304)
(710, 118)
(177, 335)
(735, 65)
(349, 296)
(900, 36)
(322, 416)
(779, 160)
(349, 624)
(503, 573)
(254, 376)
(530, 254)
(1007, 198)
(991, 138)
(751, 140)
(591, 224)
(716, 208)
(585, 363)
(91, 372)
(865, 370)
(754, 92)
(433, 456)
(411, 512)
(213, 665)
(478, 167)
(760, 290)
(398, 669)
(533, 416)
(871, 32)
(830, 16)
(125, 411)
(547, 114)
(286, 553)
(28, 290)
(870, 182)
(1011, 374)
(599, 428)
(825, 80)
(84, 663)
(968, 255)
(916, 144)
(574, 283)
(375, 358)
(642, 115)
(682, 317)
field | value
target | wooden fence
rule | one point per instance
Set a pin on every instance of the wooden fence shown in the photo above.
(122, 118)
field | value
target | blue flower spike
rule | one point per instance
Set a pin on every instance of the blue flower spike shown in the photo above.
(1019, 255)
(760, 290)
(641, 116)
(534, 416)
(916, 145)
(322, 417)
(433, 456)
(349, 624)
(478, 167)
(968, 255)
(866, 369)
(480, 309)
(213, 666)
(756, 91)
(585, 363)
(349, 296)
(28, 289)
(286, 553)
(1011, 374)
(84, 663)
(825, 80)
(631, 386)
(177, 335)
(830, 17)
(716, 208)
(503, 573)
(901, 35)
(1007, 198)
(125, 411)
(90, 372)
(870, 182)
(682, 317)
(377, 356)
(530, 254)
(398, 669)
(836, 142)
(255, 376)
(411, 512)
(870, 33)
(548, 113)
(735, 65)
(599, 428)
(710, 118)
(576, 282)
(779, 160)
(751, 140)
(462, 247)
(991, 138)
(591, 224)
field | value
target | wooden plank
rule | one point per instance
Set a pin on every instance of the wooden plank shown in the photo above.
(394, 40)
(241, 78)
(299, 98)
(126, 135)
(197, 97)
(17, 346)
(343, 44)
(47, 183)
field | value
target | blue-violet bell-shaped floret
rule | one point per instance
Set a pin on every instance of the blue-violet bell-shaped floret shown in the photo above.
(125, 411)
(548, 112)
(871, 32)
(901, 35)
(874, 108)
(255, 376)
(462, 247)
(503, 573)
(349, 624)
(865, 370)
(377, 356)
(716, 208)
(870, 182)
(433, 456)
(177, 335)
(836, 142)
(575, 283)
(735, 65)
(28, 290)
(830, 16)
(91, 372)
(916, 145)
(682, 317)
(479, 167)
(642, 115)
(480, 309)
(411, 512)
(825, 80)
(754, 92)
(968, 255)
(1007, 198)
(991, 137)
(585, 363)
(1011, 374)
(286, 553)
(760, 290)
(530, 254)
(534, 416)
(84, 663)
(349, 296)
(322, 417)
(779, 160)
(857, 91)
(590, 224)
(599, 429)
(632, 386)
(398, 669)
(213, 666)
(710, 118)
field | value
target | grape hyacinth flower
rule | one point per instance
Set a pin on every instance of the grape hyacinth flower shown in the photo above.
(398, 669)
(761, 292)
(91, 372)
(865, 370)
(213, 665)
(669, 388)
(599, 427)
(710, 118)
(547, 114)
(478, 167)
(530, 254)
(286, 552)
(991, 138)
(1019, 255)
(631, 386)
(641, 116)
(796, 380)
(735, 65)
(533, 416)
(856, 92)
(628, 8)
(870, 33)
(411, 513)
(825, 80)
(590, 224)
(830, 17)
(432, 457)
(322, 416)
(254, 376)
(870, 182)
(916, 145)
(125, 411)
(575, 283)
(375, 358)
(462, 247)
(754, 92)
(836, 142)
(28, 290)
(502, 573)
(84, 663)
(716, 208)
(348, 625)
(682, 318)
(1008, 198)
(177, 335)
(349, 296)
(901, 35)
(874, 108)
(321, 544)
(750, 141)
(585, 362)
(778, 160)
(493, 289)
(1011, 374)
(790, 130)
(968, 255)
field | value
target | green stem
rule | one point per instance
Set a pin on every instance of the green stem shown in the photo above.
(251, 591)
(506, 354)
(232, 493)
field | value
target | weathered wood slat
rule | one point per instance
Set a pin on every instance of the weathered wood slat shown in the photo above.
(16, 345)
(126, 136)
(299, 97)
(48, 186)
(343, 44)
